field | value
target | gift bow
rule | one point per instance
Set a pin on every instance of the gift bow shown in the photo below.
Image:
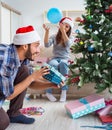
(108, 102)
(85, 102)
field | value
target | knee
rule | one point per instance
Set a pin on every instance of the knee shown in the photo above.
(4, 124)
(63, 65)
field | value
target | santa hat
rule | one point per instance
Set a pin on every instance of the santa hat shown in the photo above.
(26, 35)
(68, 21)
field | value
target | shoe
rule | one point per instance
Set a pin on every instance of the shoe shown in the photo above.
(22, 119)
(50, 97)
(63, 96)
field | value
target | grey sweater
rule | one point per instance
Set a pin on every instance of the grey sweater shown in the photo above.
(58, 50)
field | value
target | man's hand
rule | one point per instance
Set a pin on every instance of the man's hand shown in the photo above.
(39, 73)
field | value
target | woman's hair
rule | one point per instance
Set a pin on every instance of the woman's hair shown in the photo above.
(59, 37)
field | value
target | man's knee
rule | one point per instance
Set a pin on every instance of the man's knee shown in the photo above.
(4, 124)
(4, 121)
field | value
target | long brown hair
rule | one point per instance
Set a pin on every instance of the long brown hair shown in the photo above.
(59, 37)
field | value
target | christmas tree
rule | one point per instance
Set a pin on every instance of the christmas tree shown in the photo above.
(94, 45)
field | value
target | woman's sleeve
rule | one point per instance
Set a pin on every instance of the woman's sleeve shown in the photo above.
(51, 41)
(70, 41)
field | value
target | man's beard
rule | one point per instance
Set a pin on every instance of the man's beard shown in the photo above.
(28, 54)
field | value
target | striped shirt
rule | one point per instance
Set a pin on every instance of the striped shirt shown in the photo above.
(9, 64)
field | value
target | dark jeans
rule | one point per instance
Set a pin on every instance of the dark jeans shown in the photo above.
(16, 103)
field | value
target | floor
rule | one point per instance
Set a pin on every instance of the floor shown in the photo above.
(54, 117)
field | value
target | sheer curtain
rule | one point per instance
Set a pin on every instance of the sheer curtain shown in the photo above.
(10, 21)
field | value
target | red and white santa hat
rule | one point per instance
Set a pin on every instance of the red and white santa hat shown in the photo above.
(25, 35)
(68, 21)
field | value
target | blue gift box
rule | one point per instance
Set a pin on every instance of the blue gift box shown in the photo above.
(54, 76)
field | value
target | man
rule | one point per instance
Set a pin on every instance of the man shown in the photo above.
(16, 76)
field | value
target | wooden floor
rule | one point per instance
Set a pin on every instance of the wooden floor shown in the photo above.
(54, 118)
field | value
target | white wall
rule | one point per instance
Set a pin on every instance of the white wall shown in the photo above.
(10, 20)
(32, 10)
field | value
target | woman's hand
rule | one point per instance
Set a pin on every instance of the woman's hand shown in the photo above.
(62, 27)
(46, 27)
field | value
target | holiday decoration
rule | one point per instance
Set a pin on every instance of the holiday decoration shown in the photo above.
(78, 19)
(110, 54)
(54, 15)
(81, 42)
(67, 20)
(26, 35)
(94, 45)
(90, 48)
(77, 31)
(110, 7)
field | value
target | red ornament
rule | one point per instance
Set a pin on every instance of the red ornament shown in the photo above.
(74, 80)
(82, 21)
(70, 61)
(107, 11)
(71, 49)
(77, 40)
(110, 7)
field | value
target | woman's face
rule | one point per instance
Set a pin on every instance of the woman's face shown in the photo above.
(33, 51)
(66, 26)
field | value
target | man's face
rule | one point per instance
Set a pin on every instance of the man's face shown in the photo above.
(33, 51)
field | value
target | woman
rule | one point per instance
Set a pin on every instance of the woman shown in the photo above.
(61, 48)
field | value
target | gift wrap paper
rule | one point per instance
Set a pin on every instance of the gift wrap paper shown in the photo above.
(54, 76)
(83, 106)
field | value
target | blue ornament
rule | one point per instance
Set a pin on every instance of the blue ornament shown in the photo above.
(54, 15)
(110, 54)
(90, 26)
(90, 48)
(77, 31)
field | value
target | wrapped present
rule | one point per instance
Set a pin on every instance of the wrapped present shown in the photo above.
(105, 114)
(54, 76)
(83, 106)
(106, 119)
(102, 111)
(105, 111)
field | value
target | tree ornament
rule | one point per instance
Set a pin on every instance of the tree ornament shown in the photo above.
(78, 19)
(90, 26)
(77, 40)
(107, 11)
(90, 48)
(110, 54)
(81, 42)
(77, 31)
(89, 17)
(74, 80)
(83, 21)
(110, 7)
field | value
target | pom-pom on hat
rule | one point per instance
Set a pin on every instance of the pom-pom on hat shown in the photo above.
(68, 21)
(25, 35)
